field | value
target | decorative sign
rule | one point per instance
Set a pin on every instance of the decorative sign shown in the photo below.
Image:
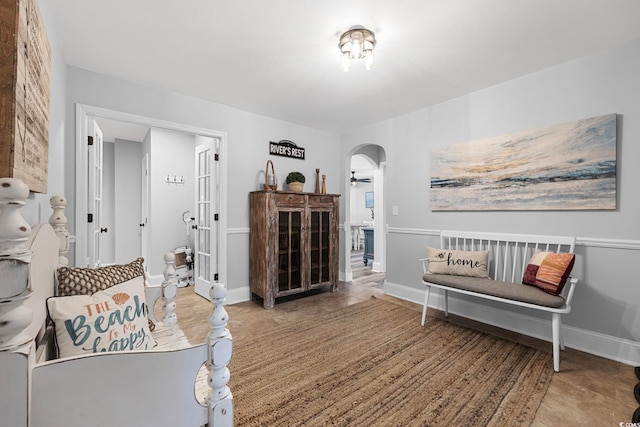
(25, 61)
(286, 148)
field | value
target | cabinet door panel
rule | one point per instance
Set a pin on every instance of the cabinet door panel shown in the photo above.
(320, 247)
(289, 251)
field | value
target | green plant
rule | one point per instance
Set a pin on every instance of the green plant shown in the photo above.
(295, 177)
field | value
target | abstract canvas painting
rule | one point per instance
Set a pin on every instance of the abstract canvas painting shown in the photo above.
(570, 166)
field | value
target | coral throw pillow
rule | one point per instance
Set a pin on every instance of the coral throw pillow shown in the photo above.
(549, 271)
(458, 263)
(111, 320)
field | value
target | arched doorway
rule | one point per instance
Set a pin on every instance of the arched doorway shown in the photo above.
(365, 208)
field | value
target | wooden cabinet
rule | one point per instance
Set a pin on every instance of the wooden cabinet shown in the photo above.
(294, 243)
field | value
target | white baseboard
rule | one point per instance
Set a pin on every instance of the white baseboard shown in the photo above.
(344, 276)
(238, 295)
(233, 295)
(155, 280)
(614, 348)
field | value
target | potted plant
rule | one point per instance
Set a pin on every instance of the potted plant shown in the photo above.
(295, 181)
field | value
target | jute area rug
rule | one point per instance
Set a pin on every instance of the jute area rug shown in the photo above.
(372, 364)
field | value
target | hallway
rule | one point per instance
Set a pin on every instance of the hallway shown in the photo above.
(362, 275)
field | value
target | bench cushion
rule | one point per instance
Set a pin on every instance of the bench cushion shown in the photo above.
(508, 290)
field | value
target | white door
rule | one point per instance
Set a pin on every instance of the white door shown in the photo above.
(207, 229)
(144, 220)
(94, 196)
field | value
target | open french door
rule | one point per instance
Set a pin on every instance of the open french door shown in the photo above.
(144, 209)
(207, 208)
(94, 196)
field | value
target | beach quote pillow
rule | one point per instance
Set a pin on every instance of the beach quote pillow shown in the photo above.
(115, 319)
(458, 263)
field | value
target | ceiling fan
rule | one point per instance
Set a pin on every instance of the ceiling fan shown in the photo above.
(354, 181)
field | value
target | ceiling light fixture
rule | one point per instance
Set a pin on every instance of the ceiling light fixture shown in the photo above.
(357, 43)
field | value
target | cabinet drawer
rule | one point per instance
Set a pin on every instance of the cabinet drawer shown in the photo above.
(320, 200)
(289, 199)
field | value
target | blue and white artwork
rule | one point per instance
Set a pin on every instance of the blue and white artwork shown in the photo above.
(571, 166)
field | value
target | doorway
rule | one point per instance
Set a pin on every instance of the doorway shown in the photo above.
(365, 210)
(87, 114)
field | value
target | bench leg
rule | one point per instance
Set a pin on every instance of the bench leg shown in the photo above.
(555, 331)
(446, 303)
(426, 304)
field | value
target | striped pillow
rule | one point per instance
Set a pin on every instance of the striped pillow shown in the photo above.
(549, 271)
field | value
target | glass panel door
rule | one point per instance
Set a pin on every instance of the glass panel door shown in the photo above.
(289, 251)
(94, 223)
(202, 240)
(320, 248)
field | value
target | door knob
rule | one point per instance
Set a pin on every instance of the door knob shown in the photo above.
(103, 230)
(142, 225)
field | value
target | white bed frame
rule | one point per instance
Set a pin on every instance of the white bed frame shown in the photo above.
(149, 388)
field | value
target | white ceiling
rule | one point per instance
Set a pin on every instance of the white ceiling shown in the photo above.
(361, 166)
(113, 129)
(279, 58)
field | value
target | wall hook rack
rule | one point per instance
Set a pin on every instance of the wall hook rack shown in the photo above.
(174, 179)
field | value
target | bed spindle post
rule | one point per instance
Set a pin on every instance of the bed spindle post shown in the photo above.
(169, 289)
(58, 221)
(15, 259)
(220, 399)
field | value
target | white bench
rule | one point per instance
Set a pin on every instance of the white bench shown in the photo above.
(509, 255)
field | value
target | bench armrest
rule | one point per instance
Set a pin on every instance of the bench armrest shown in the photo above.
(152, 294)
(570, 288)
(425, 263)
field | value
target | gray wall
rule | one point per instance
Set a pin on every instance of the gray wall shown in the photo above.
(127, 204)
(359, 212)
(108, 220)
(607, 300)
(121, 208)
(172, 153)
